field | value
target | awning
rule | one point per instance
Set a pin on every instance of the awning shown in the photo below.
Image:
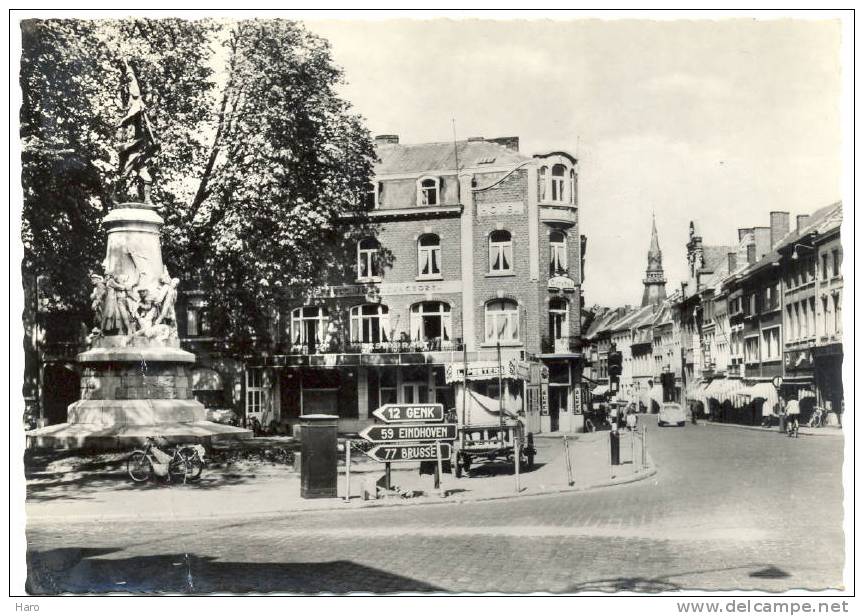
(765, 391)
(655, 394)
(696, 391)
(600, 390)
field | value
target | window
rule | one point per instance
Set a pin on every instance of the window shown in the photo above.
(790, 334)
(254, 390)
(430, 321)
(192, 321)
(838, 322)
(368, 262)
(557, 253)
(427, 191)
(308, 325)
(572, 187)
(500, 252)
(835, 260)
(370, 196)
(812, 321)
(824, 266)
(558, 321)
(771, 344)
(542, 178)
(370, 323)
(502, 321)
(429, 256)
(825, 316)
(558, 172)
(796, 323)
(751, 350)
(805, 324)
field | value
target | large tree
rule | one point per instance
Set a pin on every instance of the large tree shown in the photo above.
(259, 157)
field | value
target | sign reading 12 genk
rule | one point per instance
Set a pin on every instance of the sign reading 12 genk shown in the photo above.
(405, 413)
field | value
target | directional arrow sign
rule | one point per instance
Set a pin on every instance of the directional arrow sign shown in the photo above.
(408, 413)
(418, 452)
(417, 432)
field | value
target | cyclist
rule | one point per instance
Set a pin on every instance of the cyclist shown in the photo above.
(792, 413)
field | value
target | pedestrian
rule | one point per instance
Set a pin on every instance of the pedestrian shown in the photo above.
(792, 413)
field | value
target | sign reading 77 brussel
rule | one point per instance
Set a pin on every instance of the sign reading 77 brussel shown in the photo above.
(408, 413)
(413, 452)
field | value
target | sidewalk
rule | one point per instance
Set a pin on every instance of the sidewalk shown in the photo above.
(275, 489)
(802, 430)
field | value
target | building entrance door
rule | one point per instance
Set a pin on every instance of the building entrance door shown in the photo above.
(557, 406)
(416, 392)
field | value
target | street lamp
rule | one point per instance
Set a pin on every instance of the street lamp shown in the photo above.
(795, 250)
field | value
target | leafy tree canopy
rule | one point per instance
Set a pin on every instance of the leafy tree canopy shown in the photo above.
(259, 157)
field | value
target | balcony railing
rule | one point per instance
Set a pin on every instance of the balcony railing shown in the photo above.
(399, 346)
(565, 344)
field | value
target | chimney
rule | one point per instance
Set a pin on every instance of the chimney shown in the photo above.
(733, 261)
(801, 221)
(511, 143)
(762, 237)
(779, 227)
(743, 232)
(386, 139)
(751, 254)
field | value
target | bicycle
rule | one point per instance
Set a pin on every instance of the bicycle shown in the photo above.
(186, 462)
(792, 428)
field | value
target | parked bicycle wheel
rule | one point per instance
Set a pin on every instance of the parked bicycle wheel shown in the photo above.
(139, 467)
(194, 463)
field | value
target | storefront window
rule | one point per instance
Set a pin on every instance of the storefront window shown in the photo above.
(254, 391)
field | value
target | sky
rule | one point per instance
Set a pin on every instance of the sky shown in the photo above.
(720, 122)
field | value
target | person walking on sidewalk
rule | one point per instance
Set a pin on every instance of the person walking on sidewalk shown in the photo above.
(792, 413)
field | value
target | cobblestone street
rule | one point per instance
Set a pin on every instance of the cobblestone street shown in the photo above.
(728, 509)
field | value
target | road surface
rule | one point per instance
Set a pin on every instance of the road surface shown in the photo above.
(728, 509)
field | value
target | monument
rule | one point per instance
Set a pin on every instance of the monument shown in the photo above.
(135, 379)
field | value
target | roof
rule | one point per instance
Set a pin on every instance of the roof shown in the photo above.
(601, 323)
(821, 221)
(636, 318)
(397, 158)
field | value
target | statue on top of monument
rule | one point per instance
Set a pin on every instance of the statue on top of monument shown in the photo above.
(138, 141)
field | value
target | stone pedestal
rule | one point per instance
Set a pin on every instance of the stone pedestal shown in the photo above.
(134, 386)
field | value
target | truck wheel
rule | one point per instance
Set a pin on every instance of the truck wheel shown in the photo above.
(466, 464)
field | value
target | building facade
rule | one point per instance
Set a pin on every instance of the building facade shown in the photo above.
(475, 258)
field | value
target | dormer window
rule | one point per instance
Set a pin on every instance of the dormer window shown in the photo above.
(370, 196)
(427, 191)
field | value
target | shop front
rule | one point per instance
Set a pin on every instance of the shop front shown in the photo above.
(828, 362)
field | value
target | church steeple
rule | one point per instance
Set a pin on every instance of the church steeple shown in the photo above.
(655, 280)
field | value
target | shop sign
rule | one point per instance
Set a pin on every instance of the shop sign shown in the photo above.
(562, 283)
(544, 399)
(478, 371)
(577, 400)
(799, 360)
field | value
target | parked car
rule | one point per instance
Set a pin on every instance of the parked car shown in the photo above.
(671, 413)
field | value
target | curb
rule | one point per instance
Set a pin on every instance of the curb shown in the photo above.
(829, 433)
(650, 471)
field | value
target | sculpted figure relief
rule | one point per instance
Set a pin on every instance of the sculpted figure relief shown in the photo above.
(97, 296)
(116, 312)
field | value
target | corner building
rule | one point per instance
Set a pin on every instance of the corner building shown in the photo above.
(476, 253)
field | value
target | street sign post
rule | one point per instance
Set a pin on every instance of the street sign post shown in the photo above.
(409, 413)
(410, 432)
(412, 452)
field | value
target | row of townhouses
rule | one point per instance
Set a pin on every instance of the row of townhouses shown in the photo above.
(766, 306)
